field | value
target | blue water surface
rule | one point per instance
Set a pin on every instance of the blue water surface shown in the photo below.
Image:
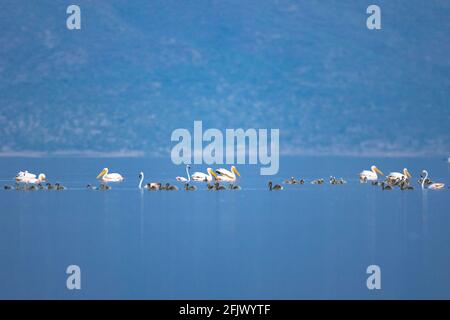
(307, 241)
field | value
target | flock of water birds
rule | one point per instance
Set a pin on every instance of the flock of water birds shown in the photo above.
(215, 180)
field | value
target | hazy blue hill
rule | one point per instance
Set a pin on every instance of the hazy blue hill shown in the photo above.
(136, 71)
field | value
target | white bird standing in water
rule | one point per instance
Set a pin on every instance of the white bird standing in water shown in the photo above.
(226, 175)
(370, 175)
(433, 186)
(109, 177)
(183, 179)
(200, 176)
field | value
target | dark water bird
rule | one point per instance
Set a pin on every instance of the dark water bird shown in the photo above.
(385, 186)
(152, 186)
(274, 187)
(32, 187)
(209, 186)
(169, 187)
(7, 187)
(50, 186)
(234, 187)
(149, 186)
(290, 181)
(91, 187)
(217, 186)
(40, 186)
(376, 183)
(19, 187)
(188, 187)
(404, 185)
(59, 186)
(318, 181)
(333, 180)
(104, 187)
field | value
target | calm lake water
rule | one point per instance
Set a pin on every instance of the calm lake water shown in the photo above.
(308, 241)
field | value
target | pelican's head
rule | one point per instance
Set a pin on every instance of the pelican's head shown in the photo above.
(376, 170)
(211, 172)
(406, 173)
(233, 168)
(41, 177)
(102, 173)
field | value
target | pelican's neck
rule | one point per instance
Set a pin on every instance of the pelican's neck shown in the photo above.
(232, 172)
(188, 175)
(142, 179)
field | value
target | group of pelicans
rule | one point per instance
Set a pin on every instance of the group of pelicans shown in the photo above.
(213, 179)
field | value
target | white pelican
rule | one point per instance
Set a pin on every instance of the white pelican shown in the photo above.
(370, 175)
(109, 177)
(23, 175)
(183, 179)
(37, 180)
(227, 176)
(395, 177)
(200, 176)
(433, 186)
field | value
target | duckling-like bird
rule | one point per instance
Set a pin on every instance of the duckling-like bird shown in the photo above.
(49, 186)
(217, 186)
(59, 186)
(234, 187)
(274, 187)
(209, 186)
(7, 187)
(149, 186)
(91, 187)
(318, 181)
(404, 185)
(187, 187)
(334, 180)
(104, 187)
(169, 187)
(385, 186)
(290, 181)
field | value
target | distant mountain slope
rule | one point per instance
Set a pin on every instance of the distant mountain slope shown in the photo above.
(136, 71)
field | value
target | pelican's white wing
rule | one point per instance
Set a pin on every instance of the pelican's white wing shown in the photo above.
(112, 177)
(369, 175)
(225, 172)
(25, 175)
(395, 175)
(200, 176)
